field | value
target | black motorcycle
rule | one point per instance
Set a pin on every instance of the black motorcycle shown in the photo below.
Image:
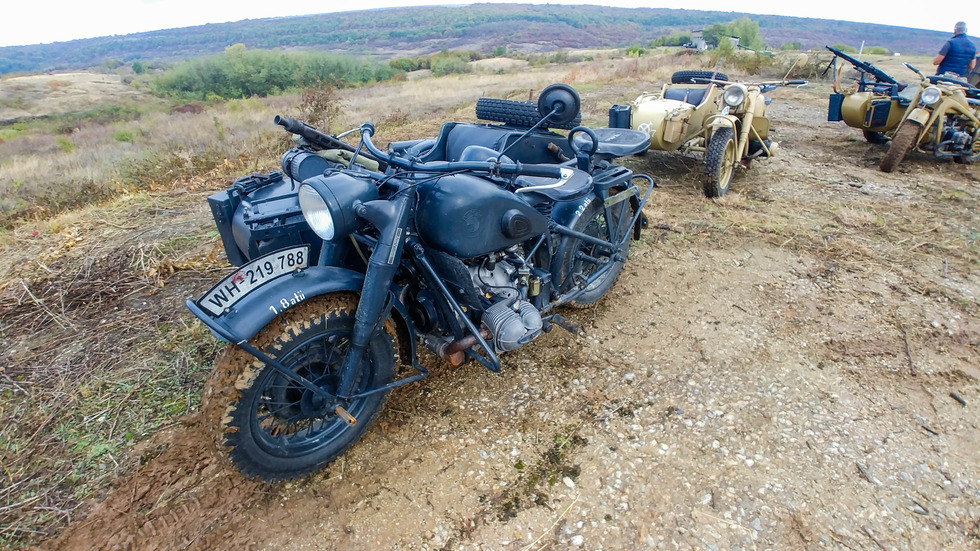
(351, 256)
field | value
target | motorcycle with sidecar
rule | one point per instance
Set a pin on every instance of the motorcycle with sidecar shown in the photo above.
(703, 111)
(352, 255)
(943, 119)
(875, 103)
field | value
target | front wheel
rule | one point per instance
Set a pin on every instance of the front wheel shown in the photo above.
(273, 428)
(719, 162)
(905, 138)
(581, 260)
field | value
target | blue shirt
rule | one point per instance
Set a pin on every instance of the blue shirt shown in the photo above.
(958, 52)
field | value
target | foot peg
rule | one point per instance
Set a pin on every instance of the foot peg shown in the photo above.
(558, 320)
(347, 417)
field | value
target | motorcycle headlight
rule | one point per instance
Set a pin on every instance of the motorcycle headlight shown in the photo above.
(930, 95)
(328, 202)
(734, 95)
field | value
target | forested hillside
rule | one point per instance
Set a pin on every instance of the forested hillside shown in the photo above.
(396, 32)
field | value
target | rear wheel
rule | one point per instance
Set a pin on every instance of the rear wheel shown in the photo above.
(580, 259)
(905, 138)
(273, 428)
(875, 137)
(719, 162)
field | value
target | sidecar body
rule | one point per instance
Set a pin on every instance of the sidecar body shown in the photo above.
(674, 116)
(875, 103)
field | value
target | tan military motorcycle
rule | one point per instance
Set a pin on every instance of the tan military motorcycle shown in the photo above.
(702, 111)
(875, 102)
(943, 118)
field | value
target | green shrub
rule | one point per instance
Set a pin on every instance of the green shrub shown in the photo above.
(446, 64)
(242, 73)
(123, 136)
(674, 39)
(65, 145)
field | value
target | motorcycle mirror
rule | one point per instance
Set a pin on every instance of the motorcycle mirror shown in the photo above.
(559, 103)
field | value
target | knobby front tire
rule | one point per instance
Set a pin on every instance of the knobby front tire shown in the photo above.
(272, 428)
(903, 141)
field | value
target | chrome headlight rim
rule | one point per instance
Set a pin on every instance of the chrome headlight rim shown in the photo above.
(317, 212)
(329, 203)
(930, 95)
(734, 94)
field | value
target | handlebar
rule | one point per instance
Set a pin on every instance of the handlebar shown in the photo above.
(490, 167)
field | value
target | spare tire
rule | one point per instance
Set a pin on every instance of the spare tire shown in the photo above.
(684, 77)
(516, 113)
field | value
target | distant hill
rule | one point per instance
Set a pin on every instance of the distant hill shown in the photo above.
(403, 32)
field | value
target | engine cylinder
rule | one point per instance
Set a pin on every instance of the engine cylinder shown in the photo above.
(512, 324)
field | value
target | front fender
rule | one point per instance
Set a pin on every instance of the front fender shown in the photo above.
(920, 115)
(250, 314)
(719, 121)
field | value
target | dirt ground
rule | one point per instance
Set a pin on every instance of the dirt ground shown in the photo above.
(794, 366)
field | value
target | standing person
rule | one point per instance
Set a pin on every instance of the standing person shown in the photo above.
(958, 55)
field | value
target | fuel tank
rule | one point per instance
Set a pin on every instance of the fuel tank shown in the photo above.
(467, 216)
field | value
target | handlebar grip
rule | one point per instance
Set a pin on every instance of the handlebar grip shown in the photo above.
(797, 82)
(548, 171)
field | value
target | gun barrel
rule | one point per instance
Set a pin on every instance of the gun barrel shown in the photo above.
(879, 75)
(316, 138)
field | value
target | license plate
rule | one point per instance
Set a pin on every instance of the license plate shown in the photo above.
(253, 275)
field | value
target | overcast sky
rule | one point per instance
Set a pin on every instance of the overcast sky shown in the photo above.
(61, 20)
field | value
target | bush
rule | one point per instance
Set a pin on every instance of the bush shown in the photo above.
(123, 136)
(675, 39)
(242, 73)
(446, 64)
(320, 105)
(65, 145)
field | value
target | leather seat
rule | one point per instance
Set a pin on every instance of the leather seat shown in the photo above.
(694, 96)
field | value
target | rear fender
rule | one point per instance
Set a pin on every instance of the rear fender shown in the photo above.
(249, 315)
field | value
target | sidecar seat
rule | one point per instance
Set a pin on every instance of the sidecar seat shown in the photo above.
(455, 137)
(694, 96)
(481, 153)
